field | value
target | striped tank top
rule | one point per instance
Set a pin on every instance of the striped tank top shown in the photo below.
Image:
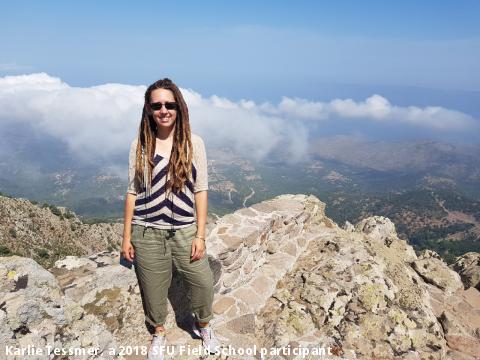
(159, 209)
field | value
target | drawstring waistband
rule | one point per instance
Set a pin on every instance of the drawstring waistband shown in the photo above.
(170, 233)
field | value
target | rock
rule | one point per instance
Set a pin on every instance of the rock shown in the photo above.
(244, 324)
(223, 304)
(348, 227)
(29, 293)
(429, 254)
(284, 275)
(73, 262)
(436, 272)
(232, 243)
(360, 288)
(378, 227)
(37, 314)
(468, 267)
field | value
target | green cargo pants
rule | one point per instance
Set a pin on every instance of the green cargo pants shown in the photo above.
(155, 249)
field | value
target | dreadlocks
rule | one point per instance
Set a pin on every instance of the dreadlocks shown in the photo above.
(180, 163)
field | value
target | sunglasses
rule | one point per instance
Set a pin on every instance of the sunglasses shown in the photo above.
(168, 106)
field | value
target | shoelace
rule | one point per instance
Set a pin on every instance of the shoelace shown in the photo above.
(206, 333)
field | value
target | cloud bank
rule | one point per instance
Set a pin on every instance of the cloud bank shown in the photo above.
(100, 121)
(375, 108)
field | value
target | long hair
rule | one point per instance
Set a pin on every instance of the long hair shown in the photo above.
(180, 163)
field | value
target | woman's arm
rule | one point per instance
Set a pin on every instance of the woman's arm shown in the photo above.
(201, 208)
(201, 197)
(127, 248)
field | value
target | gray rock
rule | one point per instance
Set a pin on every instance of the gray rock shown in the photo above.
(284, 274)
(468, 267)
(436, 272)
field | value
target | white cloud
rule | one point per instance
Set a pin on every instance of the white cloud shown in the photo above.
(240, 125)
(92, 121)
(302, 108)
(100, 121)
(375, 108)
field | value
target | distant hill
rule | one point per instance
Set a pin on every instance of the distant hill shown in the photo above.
(431, 190)
(420, 155)
(47, 233)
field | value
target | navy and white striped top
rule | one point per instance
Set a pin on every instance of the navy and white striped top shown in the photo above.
(162, 211)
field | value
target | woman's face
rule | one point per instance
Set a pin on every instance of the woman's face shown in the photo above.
(163, 117)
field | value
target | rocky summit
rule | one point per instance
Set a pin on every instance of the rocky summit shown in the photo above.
(289, 284)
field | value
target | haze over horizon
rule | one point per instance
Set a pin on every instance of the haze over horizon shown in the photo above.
(99, 122)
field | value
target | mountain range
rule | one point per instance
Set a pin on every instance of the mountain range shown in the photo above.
(430, 189)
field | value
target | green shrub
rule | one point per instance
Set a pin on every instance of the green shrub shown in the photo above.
(13, 232)
(43, 253)
(55, 210)
(69, 214)
(4, 250)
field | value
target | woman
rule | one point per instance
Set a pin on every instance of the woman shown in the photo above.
(167, 184)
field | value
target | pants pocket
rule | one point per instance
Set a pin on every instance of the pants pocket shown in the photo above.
(134, 234)
(189, 231)
(140, 237)
(181, 242)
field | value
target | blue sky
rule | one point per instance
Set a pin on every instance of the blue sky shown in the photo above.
(201, 43)
(414, 53)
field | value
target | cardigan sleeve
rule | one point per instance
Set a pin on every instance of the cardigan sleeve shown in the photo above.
(200, 163)
(131, 168)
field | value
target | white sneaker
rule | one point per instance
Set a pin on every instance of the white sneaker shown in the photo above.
(157, 349)
(209, 340)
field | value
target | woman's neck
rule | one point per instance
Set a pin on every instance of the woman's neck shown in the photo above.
(165, 133)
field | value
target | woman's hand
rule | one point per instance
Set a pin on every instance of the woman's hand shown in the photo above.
(127, 250)
(198, 249)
